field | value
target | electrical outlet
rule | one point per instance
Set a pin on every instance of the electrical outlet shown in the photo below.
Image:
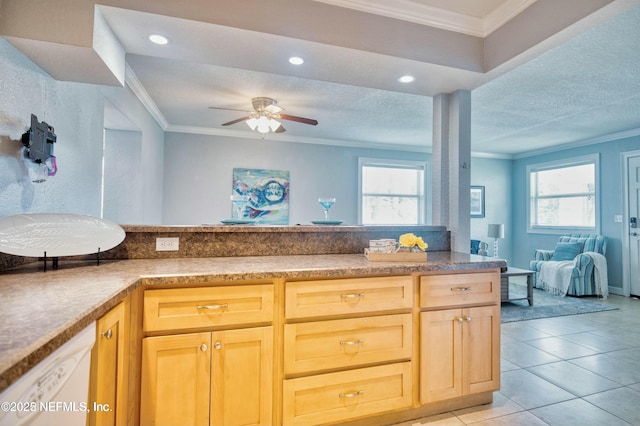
(167, 244)
(617, 218)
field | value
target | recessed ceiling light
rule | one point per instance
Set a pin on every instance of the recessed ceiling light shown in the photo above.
(407, 79)
(296, 60)
(158, 39)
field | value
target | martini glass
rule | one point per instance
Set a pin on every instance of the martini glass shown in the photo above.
(239, 203)
(326, 204)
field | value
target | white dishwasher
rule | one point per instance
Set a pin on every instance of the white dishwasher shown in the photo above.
(54, 392)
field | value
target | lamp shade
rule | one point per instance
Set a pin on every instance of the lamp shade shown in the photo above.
(496, 230)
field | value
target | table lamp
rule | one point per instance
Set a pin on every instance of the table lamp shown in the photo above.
(496, 230)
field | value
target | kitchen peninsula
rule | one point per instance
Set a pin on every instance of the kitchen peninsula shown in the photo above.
(385, 315)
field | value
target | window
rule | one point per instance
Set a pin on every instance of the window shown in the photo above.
(564, 196)
(391, 192)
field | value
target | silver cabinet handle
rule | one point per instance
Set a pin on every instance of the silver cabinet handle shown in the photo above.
(351, 394)
(467, 319)
(352, 296)
(217, 345)
(204, 347)
(460, 289)
(351, 342)
(107, 334)
(212, 307)
(460, 319)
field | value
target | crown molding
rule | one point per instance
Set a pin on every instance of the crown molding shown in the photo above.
(141, 93)
(411, 11)
(580, 143)
(295, 139)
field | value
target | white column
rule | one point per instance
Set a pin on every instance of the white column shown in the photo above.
(452, 166)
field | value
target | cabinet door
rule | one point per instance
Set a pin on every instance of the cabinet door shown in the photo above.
(481, 340)
(460, 352)
(440, 355)
(109, 358)
(176, 373)
(242, 377)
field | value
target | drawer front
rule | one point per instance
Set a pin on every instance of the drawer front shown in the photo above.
(306, 299)
(185, 308)
(459, 289)
(323, 345)
(326, 398)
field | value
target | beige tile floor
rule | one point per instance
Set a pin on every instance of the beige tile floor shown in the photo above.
(564, 371)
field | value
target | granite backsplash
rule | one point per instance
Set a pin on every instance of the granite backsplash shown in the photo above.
(252, 240)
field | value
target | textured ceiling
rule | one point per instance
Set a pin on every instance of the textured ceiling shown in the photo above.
(583, 88)
(586, 88)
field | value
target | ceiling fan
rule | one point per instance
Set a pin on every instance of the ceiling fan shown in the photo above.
(264, 116)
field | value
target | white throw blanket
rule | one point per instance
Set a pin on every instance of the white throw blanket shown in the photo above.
(555, 276)
(600, 273)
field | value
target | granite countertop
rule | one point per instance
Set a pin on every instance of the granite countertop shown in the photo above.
(39, 311)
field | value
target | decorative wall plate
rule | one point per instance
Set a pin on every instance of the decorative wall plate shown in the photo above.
(57, 234)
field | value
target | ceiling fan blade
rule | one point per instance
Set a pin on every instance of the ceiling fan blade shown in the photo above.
(237, 120)
(230, 109)
(280, 129)
(298, 119)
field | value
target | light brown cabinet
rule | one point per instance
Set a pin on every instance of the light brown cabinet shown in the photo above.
(213, 378)
(347, 349)
(109, 368)
(222, 375)
(460, 347)
(318, 351)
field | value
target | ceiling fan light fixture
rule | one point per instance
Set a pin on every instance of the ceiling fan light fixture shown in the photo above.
(252, 123)
(263, 124)
(274, 125)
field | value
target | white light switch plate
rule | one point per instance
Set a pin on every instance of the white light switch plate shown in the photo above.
(167, 244)
(617, 218)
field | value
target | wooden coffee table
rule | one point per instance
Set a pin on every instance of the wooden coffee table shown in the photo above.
(504, 284)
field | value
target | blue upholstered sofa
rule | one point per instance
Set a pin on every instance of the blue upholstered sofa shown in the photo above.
(582, 278)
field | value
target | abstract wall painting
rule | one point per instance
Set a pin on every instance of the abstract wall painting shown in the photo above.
(267, 193)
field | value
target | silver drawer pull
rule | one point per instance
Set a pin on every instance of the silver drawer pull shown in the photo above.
(220, 306)
(352, 296)
(107, 334)
(460, 289)
(351, 394)
(351, 342)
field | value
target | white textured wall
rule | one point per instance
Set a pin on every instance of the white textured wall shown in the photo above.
(122, 187)
(199, 169)
(76, 112)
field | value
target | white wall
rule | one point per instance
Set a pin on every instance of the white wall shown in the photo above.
(122, 184)
(199, 170)
(76, 112)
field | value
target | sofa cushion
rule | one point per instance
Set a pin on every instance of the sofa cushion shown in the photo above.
(567, 251)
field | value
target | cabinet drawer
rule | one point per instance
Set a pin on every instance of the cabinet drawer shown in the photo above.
(344, 296)
(185, 308)
(323, 345)
(459, 289)
(347, 395)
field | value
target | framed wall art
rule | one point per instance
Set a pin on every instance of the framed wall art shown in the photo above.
(267, 195)
(477, 201)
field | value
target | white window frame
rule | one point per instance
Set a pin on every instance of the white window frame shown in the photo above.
(578, 161)
(400, 164)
